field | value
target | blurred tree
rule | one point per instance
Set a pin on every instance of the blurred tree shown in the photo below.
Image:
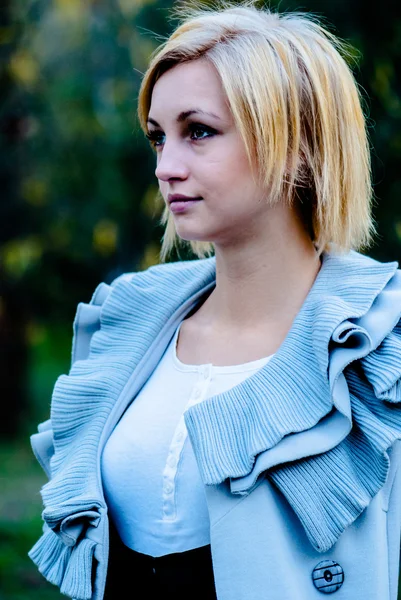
(13, 315)
(77, 203)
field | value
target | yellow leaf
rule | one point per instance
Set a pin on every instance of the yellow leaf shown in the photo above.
(24, 68)
(19, 255)
(71, 9)
(105, 234)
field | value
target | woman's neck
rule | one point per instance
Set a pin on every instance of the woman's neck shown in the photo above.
(262, 281)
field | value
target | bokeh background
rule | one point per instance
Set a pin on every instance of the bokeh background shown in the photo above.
(77, 193)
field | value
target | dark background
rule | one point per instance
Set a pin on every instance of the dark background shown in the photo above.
(77, 192)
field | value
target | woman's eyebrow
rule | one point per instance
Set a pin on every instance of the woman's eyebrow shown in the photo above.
(185, 114)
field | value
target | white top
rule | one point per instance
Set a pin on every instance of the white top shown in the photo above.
(151, 480)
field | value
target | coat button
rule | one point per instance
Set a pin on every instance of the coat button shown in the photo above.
(328, 576)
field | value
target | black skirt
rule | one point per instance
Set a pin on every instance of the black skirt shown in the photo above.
(180, 576)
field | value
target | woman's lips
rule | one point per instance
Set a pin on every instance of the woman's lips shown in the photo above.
(179, 206)
(179, 197)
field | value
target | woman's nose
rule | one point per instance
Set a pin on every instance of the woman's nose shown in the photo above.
(171, 164)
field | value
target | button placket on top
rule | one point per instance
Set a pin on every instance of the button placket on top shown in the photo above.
(199, 392)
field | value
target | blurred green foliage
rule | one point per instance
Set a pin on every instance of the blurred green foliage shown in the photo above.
(77, 198)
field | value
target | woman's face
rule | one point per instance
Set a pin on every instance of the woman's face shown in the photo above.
(201, 155)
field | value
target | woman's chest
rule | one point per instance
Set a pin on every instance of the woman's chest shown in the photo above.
(197, 345)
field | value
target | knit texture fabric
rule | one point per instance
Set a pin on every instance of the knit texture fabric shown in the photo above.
(353, 307)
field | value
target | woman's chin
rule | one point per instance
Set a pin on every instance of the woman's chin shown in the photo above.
(195, 239)
(191, 235)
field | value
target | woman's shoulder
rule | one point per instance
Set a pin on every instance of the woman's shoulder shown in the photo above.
(356, 268)
(348, 285)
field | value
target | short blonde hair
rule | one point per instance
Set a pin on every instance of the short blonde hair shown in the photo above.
(296, 105)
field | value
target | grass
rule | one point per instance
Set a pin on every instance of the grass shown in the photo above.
(21, 525)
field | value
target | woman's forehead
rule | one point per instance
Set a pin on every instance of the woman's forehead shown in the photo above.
(189, 87)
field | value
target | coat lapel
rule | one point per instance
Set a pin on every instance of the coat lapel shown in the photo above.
(303, 424)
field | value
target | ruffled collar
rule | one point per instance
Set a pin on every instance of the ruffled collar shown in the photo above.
(298, 420)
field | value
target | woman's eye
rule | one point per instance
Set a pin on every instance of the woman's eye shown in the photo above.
(199, 131)
(155, 138)
(196, 132)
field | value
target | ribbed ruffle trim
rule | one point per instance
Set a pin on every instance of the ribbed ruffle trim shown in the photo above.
(68, 567)
(342, 357)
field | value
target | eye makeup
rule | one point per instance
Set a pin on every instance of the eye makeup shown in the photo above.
(196, 131)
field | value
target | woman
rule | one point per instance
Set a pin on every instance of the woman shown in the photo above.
(260, 458)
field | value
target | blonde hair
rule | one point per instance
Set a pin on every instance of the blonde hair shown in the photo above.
(296, 105)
